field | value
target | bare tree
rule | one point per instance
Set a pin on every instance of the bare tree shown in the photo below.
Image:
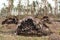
(19, 7)
(50, 8)
(56, 7)
(33, 7)
(27, 6)
(10, 6)
(45, 6)
(3, 10)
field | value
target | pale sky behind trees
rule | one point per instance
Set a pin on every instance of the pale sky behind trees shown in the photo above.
(23, 2)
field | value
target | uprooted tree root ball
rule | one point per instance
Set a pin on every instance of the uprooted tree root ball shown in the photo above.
(29, 27)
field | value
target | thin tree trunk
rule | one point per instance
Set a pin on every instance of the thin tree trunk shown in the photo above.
(56, 8)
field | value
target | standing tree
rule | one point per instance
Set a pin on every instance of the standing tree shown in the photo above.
(27, 6)
(33, 7)
(10, 6)
(45, 6)
(56, 7)
(50, 8)
(3, 10)
(19, 7)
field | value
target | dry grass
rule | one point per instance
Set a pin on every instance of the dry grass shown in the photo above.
(15, 37)
(6, 36)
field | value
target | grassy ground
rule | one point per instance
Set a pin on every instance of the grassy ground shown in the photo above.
(14, 37)
(7, 36)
